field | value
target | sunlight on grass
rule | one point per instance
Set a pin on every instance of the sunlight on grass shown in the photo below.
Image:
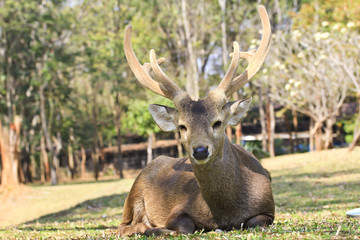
(312, 193)
(33, 202)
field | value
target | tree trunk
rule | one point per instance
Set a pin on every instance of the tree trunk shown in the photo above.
(95, 159)
(329, 142)
(55, 174)
(229, 133)
(295, 123)
(44, 165)
(316, 134)
(238, 133)
(151, 143)
(288, 127)
(119, 159)
(83, 162)
(49, 147)
(96, 152)
(71, 153)
(33, 166)
(356, 131)
(311, 136)
(222, 4)
(271, 127)
(318, 139)
(355, 140)
(179, 146)
(71, 161)
(192, 85)
(238, 128)
(10, 157)
(278, 11)
(262, 121)
(116, 109)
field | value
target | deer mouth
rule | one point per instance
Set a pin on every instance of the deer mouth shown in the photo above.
(200, 162)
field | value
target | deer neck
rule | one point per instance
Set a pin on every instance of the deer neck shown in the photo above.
(223, 181)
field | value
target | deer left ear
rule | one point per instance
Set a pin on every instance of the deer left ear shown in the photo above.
(164, 116)
(237, 110)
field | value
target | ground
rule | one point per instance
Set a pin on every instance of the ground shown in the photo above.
(312, 193)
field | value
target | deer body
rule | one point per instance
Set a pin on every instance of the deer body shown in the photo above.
(220, 185)
(207, 201)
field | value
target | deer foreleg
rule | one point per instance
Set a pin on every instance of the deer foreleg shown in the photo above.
(132, 229)
(176, 223)
(259, 220)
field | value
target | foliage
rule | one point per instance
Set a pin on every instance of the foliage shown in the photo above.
(73, 51)
(349, 127)
(138, 118)
(312, 193)
(333, 11)
(255, 148)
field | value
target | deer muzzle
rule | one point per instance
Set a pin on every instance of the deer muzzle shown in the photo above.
(201, 153)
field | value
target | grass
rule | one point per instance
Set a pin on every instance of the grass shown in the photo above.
(312, 193)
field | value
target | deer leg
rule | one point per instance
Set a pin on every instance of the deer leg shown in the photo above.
(128, 230)
(176, 223)
(158, 231)
(181, 223)
(259, 220)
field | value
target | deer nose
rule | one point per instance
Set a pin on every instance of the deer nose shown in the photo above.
(200, 153)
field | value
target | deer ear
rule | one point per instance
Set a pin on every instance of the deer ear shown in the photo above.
(164, 116)
(237, 110)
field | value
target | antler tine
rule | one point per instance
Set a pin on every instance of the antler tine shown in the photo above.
(147, 66)
(255, 59)
(140, 72)
(162, 77)
(226, 81)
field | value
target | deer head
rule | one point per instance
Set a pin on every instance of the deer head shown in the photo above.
(201, 123)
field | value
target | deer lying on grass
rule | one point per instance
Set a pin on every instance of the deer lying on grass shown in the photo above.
(220, 185)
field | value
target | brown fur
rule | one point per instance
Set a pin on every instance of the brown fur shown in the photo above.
(232, 190)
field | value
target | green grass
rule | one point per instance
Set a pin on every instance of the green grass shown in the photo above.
(312, 193)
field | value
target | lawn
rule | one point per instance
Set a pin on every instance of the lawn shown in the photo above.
(312, 193)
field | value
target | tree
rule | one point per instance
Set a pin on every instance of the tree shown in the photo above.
(188, 30)
(140, 121)
(347, 57)
(303, 80)
(29, 38)
(9, 145)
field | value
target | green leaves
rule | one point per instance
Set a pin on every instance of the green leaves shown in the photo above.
(138, 119)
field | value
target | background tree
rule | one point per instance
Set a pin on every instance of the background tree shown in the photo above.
(139, 120)
(303, 80)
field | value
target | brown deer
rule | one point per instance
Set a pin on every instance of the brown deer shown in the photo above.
(219, 185)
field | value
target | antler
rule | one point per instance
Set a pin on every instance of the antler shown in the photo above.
(164, 86)
(229, 85)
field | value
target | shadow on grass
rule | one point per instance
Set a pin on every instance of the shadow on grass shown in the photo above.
(91, 214)
(314, 175)
(311, 192)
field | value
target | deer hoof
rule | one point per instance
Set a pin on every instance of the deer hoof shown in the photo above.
(158, 231)
(259, 220)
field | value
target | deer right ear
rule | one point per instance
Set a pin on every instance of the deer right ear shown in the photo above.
(164, 116)
(238, 110)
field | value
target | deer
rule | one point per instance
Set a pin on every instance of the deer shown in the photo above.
(219, 185)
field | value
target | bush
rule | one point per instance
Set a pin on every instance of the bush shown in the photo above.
(255, 148)
(348, 125)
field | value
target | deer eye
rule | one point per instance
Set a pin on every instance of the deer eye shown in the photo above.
(217, 124)
(182, 128)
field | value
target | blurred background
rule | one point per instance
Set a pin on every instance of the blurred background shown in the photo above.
(72, 109)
